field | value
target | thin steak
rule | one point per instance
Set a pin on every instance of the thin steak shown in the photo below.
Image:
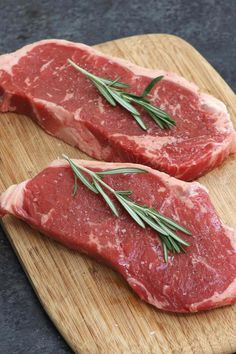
(37, 81)
(203, 278)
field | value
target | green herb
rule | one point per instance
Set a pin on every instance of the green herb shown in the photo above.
(143, 215)
(111, 90)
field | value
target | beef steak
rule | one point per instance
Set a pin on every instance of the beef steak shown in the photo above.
(203, 278)
(37, 81)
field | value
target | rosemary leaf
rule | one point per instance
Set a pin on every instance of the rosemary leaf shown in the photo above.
(130, 96)
(121, 171)
(157, 120)
(124, 193)
(174, 245)
(139, 120)
(166, 241)
(165, 251)
(106, 197)
(151, 85)
(75, 185)
(131, 212)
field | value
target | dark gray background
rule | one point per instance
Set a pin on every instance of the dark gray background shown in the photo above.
(209, 25)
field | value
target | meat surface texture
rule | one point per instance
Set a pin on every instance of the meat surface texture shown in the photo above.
(37, 81)
(201, 279)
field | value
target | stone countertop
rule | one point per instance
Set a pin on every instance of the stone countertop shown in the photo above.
(209, 25)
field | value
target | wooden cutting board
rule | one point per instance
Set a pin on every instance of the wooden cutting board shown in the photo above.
(91, 305)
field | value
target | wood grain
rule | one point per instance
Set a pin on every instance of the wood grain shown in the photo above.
(91, 305)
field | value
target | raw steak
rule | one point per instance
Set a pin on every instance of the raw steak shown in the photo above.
(37, 81)
(201, 279)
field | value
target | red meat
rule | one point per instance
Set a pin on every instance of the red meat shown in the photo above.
(201, 279)
(37, 81)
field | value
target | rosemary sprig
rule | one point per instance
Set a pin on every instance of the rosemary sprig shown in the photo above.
(141, 214)
(112, 92)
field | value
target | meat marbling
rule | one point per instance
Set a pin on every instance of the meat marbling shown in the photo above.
(37, 81)
(203, 278)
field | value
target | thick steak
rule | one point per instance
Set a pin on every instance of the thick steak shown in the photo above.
(201, 279)
(37, 81)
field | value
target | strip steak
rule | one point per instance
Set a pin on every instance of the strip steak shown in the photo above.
(37, 81)
(201, 279)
